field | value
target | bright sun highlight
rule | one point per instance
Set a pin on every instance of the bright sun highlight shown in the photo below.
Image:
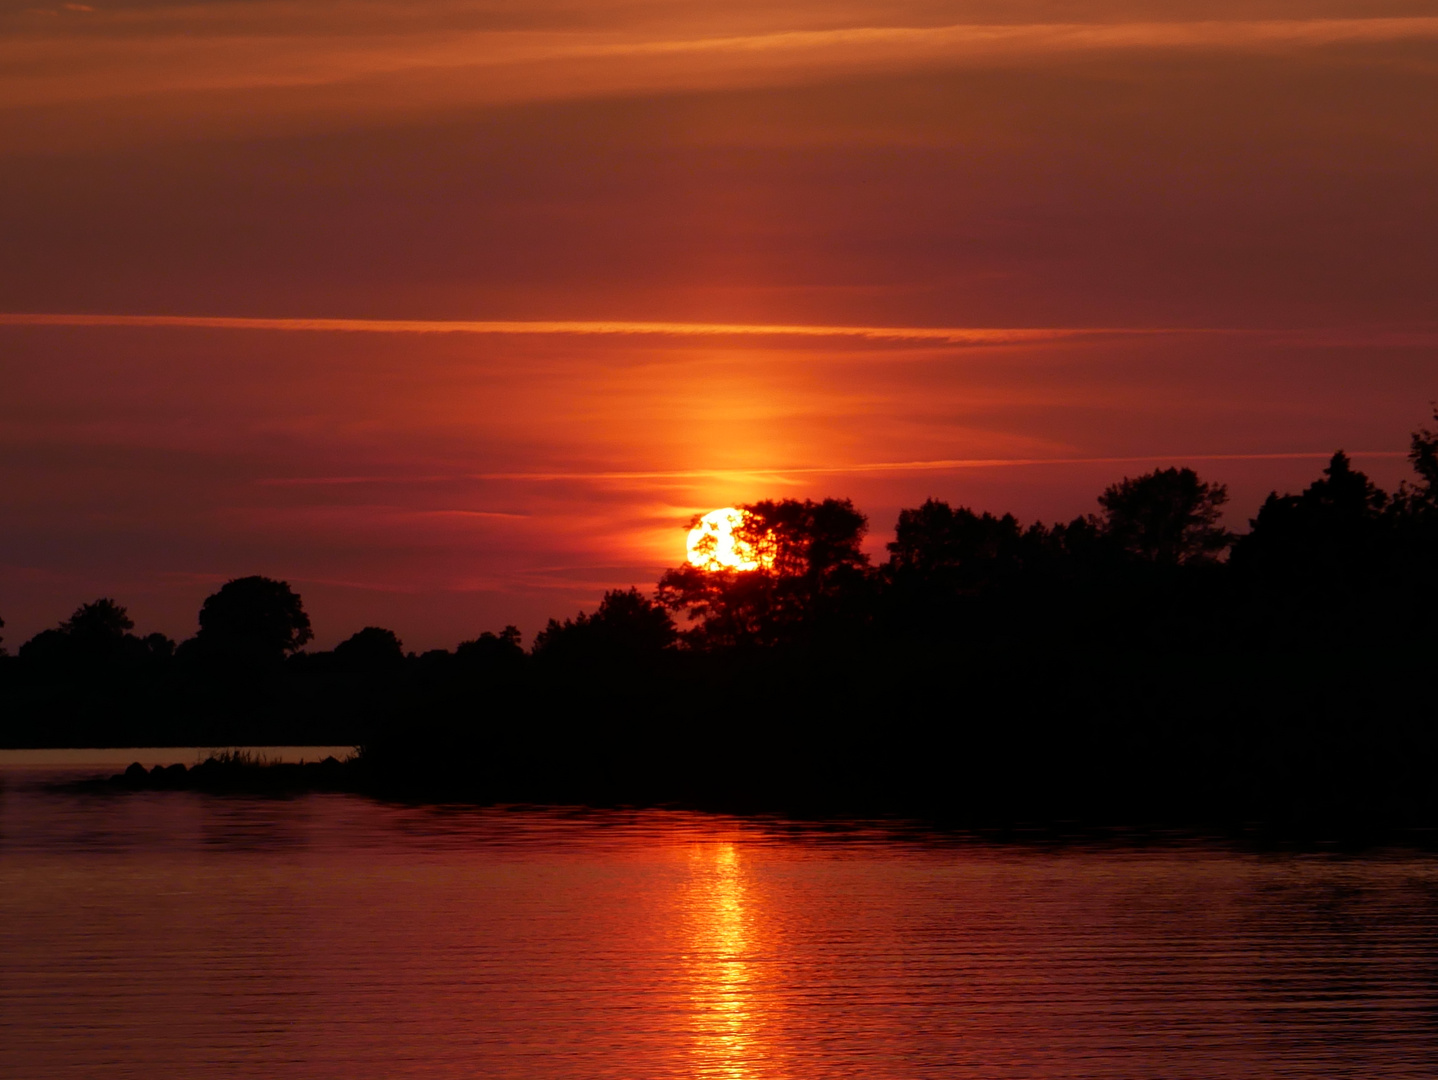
(713, 544)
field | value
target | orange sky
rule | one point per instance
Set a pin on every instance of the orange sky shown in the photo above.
(1214, 229)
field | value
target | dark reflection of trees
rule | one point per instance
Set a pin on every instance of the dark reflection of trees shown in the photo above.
(1141, 664)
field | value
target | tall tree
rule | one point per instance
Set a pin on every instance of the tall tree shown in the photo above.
(253, 619)
(814, 575)
(1168, 516)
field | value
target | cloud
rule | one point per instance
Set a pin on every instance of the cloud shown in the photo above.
(976, 336)
(782, 475)
(345, 58)
(949, 335)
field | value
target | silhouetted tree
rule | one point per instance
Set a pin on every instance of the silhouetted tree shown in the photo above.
(1168, 516)
(492, 652)
(1339, 561)
(1414, 508)
(942, 559)
(1413, 512)
(1423, 455)
(371, 649)
(954, 573)
(252, 620)
(432, 662)
(103, 621)
(159, 646)
(47, 647)
(1333, 533)
(955, 549)
(97, 633)
(626, 625)
(816, 581)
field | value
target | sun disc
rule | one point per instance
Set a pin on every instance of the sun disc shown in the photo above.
(716, 543)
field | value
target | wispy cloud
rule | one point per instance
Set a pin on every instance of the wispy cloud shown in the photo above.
(782, 475)
(444, 57)
(801, 474)
(951, 335)
(942, 335)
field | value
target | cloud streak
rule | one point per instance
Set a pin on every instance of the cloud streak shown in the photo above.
(949, 335)
(176, 52)
(779, 475)
(940, 465)
(940, 335)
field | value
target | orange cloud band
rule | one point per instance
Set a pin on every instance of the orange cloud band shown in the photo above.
(172, 51)
(953, 335)
(780, 475)
(947, 335)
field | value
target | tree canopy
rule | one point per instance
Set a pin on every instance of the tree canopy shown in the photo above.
(626, 625)
(369, 649)
(254, 619)
(1168, 516)
(814, 577)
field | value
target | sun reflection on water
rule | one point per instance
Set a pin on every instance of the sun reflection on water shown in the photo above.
(721, 964)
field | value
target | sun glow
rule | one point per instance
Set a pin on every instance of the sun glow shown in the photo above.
(717, 543)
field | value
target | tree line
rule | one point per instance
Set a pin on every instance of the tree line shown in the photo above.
(1339, 555)
(1138, 665)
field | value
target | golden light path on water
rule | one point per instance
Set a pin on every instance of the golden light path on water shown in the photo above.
(720, 960)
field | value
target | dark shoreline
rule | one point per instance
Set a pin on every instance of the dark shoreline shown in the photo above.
(1292, 743)
(1109, 672)
(1299, 827)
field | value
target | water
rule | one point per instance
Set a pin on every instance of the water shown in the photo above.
(171, 934)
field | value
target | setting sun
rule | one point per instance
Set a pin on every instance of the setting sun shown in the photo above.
(714, 545)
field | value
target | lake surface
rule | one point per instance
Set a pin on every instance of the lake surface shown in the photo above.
(172, 934)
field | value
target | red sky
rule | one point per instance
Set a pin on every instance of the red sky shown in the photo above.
(1215, 228)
